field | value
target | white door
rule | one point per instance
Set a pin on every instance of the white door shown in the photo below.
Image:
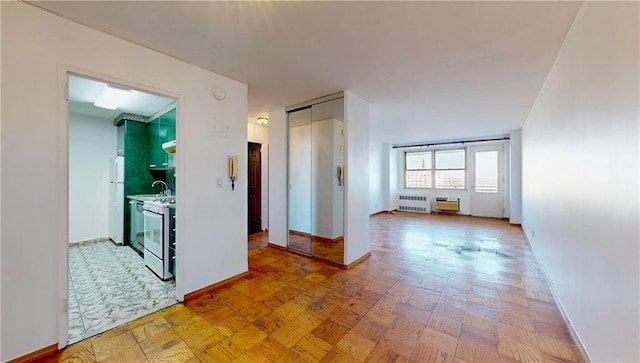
(486, 171)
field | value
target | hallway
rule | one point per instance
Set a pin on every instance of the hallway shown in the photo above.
(436, 288)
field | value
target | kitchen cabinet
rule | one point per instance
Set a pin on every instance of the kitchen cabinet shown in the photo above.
(161, 130)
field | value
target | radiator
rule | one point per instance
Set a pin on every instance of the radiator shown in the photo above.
(414, 203)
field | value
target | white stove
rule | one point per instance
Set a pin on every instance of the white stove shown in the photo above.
(156, 238)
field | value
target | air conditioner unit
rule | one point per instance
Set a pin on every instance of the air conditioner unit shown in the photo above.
(446, 205)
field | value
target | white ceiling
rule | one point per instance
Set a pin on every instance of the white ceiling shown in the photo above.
(83, 92)
(430, 70)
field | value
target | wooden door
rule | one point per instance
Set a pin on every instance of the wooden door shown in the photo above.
(255, 186)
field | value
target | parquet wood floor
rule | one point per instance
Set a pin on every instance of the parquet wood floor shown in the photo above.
(258, 240)
(435, 289)
(328, 250)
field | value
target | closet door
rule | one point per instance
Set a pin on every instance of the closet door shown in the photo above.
(316, 180)
(327, 196)
(300, 180)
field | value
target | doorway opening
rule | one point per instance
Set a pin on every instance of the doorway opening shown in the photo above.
(121, 239)
(257, 237)
(255, 188)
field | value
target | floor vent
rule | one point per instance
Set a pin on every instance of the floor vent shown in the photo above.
(414, 203)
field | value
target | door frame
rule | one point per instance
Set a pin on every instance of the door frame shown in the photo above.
(249, 174)
(502, 171)
(62, 185)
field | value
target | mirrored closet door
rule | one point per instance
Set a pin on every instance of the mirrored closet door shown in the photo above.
(316, 188)
(300, 180)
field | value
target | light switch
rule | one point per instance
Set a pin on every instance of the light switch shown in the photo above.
(219, 182)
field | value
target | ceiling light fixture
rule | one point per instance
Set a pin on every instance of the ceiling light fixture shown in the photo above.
(262, 121)
(112, 97)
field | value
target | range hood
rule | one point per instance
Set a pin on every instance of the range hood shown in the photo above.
(170, 147)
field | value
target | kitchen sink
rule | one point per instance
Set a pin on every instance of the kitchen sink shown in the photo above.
(153, 198)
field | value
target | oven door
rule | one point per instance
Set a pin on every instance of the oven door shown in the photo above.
(153, 233)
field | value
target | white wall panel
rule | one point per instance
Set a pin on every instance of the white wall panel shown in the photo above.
(357, 177)
(515, 212)
(580, 148)
(36, 48)
(92, 143)
(376, 177)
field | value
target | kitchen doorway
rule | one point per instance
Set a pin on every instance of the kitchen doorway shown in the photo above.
(120, 157)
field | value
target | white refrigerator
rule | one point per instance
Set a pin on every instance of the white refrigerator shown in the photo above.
(116, 199)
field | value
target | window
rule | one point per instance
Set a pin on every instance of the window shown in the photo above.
(450, 169)
(418, 169)
(486, 172)
(441, 169)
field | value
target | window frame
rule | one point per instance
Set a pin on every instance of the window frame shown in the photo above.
(434, 169)
(431, 169)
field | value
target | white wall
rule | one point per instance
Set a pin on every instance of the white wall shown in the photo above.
(383, 177)
(356, 177)
(278, 233)
(260, 134)
(506, 185)
(0, 179)
(580, 150)
(92, 142)
(395, 183)
(515, 201)
(377, 175)
(36, 48)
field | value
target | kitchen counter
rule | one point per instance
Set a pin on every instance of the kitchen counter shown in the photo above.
(143, 197)
(153, 198)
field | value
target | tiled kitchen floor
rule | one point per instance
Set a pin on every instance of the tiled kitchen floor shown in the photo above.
(437, 288)
(108, 286)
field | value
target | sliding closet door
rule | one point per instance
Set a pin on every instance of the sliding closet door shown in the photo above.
(300, 180)
(316, 180)
(327, 190)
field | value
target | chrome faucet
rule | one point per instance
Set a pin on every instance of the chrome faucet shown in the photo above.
(165, 190)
